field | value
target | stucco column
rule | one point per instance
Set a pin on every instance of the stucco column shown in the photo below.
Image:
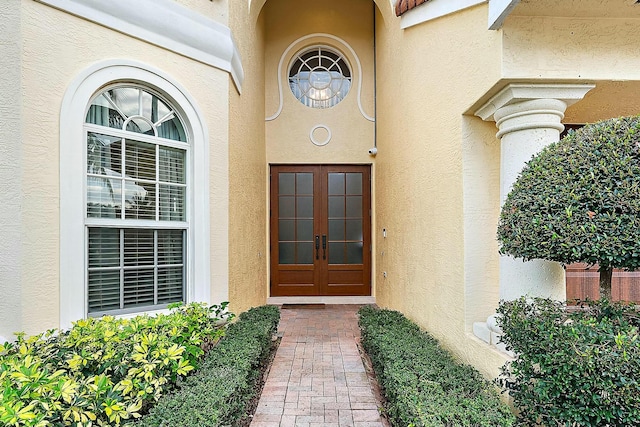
(525, 128)
(528, 118)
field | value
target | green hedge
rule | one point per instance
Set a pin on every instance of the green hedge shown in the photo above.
(573, 368)
(423, 385)
(218, 393)
(103, 371)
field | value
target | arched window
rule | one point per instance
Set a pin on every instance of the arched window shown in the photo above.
(319, 77)
(136, 193)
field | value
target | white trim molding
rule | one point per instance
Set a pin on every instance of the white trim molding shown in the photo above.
(313, 138)
(73, 305)
(498, 12)
(285, 56)
(434, 9)
(166, 24)
(518, 92)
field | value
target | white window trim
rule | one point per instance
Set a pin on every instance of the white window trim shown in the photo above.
(286, 55)
(190, 33)
(73, 292)
(434, 9)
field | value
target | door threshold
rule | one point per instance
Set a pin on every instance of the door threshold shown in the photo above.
(321, 300)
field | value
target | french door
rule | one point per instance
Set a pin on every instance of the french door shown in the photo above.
(320, 230)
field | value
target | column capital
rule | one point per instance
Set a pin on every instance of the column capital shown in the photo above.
(543, 113)
(519, 92)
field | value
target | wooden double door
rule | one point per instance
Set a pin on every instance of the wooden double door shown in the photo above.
(320, 230)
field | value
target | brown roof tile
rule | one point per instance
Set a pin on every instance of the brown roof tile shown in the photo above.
(403, 5)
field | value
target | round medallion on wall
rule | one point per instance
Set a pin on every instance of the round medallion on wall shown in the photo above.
(320, 135)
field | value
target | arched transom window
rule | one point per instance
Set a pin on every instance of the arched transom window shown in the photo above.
(319, 77)
(136, 201)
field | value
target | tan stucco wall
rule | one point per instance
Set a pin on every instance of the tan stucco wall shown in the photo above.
(571, 48)
(481, 208)
(437, 178)
(287, 136)
(438, 167)
(597, 43)
(216, 10)
(56, 47)
(10, 165)
(247, 174)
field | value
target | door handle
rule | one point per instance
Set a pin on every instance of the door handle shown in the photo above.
(324, 246)
(317, 245)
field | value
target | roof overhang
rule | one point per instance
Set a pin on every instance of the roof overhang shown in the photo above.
(498, 11)
(414, 12)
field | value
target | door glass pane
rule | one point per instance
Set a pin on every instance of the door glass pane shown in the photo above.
(354, 206)
(305, 253)
(286, 184)
(287, 253)
(336, 183)
(286, 230)
(286, 207)
(336, 207)
(304, 206)
(336, 230)
(354, 183)
(304, 183)
(295, 218)
(354, 253)
(354, 229)
(304, 229)
(345, 218)
(336, 253)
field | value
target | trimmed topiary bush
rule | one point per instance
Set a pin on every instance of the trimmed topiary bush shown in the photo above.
(219, 392)
(103, 371)
(578, 200)
(423, 385)
(573, 368)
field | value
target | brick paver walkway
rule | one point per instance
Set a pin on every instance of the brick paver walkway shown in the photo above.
(317, 377)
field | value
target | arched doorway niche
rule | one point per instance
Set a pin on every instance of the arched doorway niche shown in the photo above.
(346, 28)
(386, 8)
